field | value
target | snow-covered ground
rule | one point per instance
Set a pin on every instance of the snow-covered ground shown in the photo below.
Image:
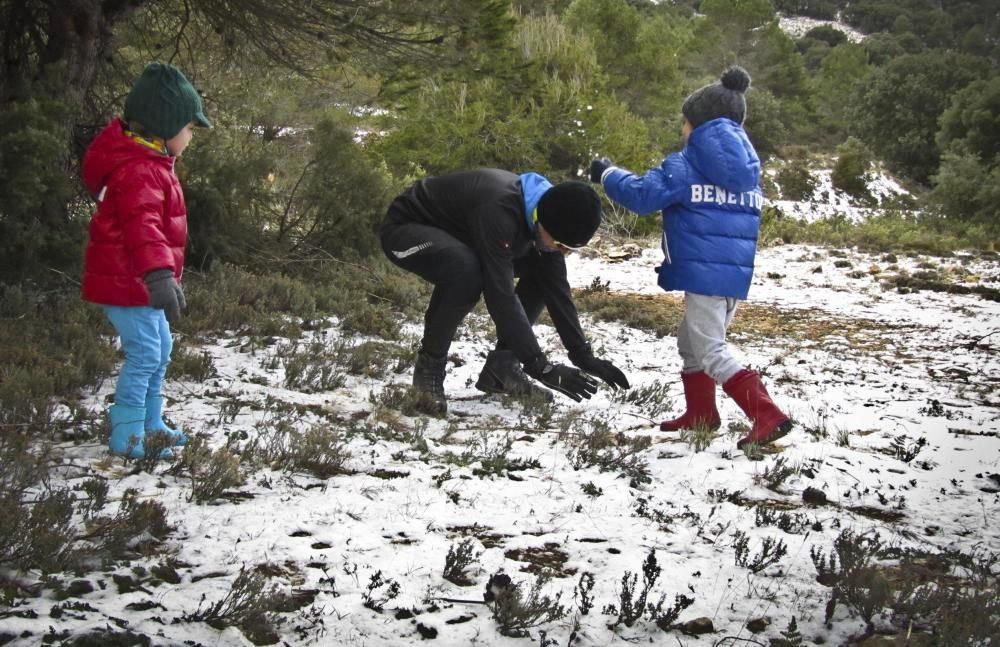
(888, 369)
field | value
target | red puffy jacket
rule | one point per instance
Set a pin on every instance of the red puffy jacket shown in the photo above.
(140, 224)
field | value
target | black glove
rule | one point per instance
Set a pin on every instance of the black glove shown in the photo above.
(569, 381)
(165, 293)
(597, 168)
(602, 368)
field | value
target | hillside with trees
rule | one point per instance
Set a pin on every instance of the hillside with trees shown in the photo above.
(323, 111)
(543, 86)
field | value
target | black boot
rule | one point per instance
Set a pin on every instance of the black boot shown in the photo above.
(428, 382)
(502, 374)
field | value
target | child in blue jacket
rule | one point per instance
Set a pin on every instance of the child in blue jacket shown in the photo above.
(711, 200)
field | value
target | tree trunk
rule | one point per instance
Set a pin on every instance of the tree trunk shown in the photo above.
(79, 36)
(58, 44)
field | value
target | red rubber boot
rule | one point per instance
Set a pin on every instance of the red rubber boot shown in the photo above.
(769, 422)
(699, 396)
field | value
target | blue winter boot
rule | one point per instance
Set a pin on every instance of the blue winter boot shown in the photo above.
(128, 428)
(154, 422)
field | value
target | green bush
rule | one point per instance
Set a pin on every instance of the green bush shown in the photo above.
(36, 231)
(795, 181)
(851, 170)
(192, 364)
(35, 531)
(54, 345)
(230, 298)
(967, 193)
(255, 198)
(212, 471)
(889, 231)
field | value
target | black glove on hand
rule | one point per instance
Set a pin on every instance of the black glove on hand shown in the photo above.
(568, 381)
(165, 293)
(602, 368)
(597, 168)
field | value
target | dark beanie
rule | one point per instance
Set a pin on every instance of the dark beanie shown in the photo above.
(164, 101)
(570, 212)
(723, 99)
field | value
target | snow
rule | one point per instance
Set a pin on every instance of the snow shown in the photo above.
(874, 376)
(797, 26)
(828, 202)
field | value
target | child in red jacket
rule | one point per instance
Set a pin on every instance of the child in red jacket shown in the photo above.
(135, 248)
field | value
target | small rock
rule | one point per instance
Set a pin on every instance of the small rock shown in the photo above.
(125, 583)
(698, 626)
(427, 633)
(167, 573)
(145, 605)
(758, 625)
(814, 496)
(498, 583)
(78, 588)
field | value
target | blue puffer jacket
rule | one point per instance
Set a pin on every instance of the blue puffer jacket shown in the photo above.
(711, 199)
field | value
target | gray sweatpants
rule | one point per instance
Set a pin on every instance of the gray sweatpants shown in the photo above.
(701, 337)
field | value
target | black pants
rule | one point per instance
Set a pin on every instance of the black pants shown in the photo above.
(456, 273)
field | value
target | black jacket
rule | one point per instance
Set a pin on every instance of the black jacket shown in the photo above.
(485, 209)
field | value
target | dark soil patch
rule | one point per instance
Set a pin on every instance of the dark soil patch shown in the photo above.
(878, 514)
(548, 558)
(910, 283)
(484, 534)
(388, 474)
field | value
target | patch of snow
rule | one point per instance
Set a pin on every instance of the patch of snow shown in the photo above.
(798, 26)
(826, 201)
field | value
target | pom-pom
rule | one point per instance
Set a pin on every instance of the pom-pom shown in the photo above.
(736, 78)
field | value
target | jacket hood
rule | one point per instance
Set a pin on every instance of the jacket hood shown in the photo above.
(112, 149)
(533, 187)
(720, 151)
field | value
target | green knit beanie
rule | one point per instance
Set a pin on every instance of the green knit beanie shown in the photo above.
(164, 101)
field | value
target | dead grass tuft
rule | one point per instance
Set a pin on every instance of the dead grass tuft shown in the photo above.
(660, 314)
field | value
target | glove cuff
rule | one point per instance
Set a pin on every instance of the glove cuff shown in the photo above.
(537, 366)
(580, 354)
(158, 275)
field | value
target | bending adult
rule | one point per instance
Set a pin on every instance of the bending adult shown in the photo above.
(503, 236)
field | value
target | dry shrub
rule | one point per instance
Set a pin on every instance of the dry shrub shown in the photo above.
(517, 608)
(597, 446)
(460, 557)
(249, 605)
(320, 450)
(212, 472)
(136, 528)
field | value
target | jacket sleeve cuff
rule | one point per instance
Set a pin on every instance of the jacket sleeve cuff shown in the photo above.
(580, 353)
(535, 367)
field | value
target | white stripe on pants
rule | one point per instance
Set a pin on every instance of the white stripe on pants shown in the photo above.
(701, 337)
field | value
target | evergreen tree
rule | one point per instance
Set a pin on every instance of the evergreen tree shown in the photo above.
(966, 187)
(851, 171)
(55, 52)
(843, 68)
(551, 118)
(972, 121)
(895, 109)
